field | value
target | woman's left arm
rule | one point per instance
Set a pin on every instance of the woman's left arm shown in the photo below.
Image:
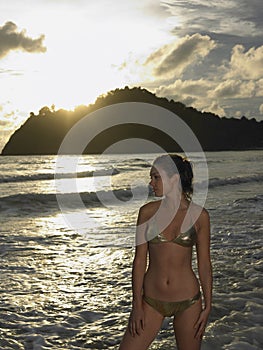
(204, 269)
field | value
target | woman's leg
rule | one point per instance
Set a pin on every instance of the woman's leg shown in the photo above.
(153, 322)
(184, 327)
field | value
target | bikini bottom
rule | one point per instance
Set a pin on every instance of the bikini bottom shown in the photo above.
(171, 308)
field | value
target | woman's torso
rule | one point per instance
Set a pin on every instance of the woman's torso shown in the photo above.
(169, 276)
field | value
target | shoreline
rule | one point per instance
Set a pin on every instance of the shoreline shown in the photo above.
(113, 153)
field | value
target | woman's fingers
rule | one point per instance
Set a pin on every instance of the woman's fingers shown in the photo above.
(199, 332)
(199, 321)
(200, 327)
(135, 327)
(138, 327)
(143, 323)
(132, 328)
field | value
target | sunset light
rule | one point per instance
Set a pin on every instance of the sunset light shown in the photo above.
(67, 53)
(131, 157)
(82, 53)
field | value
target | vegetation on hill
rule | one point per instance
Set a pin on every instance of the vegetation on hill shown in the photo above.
(43, 133)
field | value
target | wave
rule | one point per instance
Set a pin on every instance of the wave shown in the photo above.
(214, 182)
(90, 199)
(255, 200)
(51, 176)
(122, 194)
(217, 182)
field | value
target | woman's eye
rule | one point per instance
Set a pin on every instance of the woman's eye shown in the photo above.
(155, 177)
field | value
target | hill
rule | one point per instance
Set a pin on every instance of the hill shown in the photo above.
(43, 133)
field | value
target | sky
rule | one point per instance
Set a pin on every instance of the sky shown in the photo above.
(207, 54)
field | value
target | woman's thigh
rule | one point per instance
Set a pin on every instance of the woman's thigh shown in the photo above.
(184, 327)
(153, 323)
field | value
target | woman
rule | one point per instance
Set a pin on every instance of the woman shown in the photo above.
(167, 229)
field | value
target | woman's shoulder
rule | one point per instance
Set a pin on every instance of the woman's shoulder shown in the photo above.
(199, 214)
(149, 209)
(197, 208)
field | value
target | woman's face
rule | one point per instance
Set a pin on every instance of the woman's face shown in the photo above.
(161, 183)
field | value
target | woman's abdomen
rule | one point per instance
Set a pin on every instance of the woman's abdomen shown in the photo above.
(170, 285)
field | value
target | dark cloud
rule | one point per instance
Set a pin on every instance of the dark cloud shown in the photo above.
(12, 39)
(236, 17)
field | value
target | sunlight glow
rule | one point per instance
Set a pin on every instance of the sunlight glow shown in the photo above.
(84, 52)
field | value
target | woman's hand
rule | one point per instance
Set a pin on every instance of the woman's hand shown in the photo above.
(201, 323)
(136, 321)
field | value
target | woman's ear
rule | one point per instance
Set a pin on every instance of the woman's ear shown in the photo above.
(175, 179)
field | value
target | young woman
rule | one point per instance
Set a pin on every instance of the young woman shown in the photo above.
(167, 230)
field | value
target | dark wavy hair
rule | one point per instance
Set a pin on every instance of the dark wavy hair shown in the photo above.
(176, 164)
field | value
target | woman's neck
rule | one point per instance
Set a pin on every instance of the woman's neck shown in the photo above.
(176, 202)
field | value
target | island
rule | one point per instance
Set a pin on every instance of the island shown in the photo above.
(43, 133)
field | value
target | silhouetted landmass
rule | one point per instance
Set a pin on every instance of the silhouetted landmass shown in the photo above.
(43, 133)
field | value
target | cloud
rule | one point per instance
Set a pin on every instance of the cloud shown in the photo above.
(11, 39)
(9, 116)
(259, 88)
(154, 8)
(8, 119)
(5, 123)
(216, 60)
(215, 108)
(235, 17)
(246, 65)
(193, 93)
(234, 88)
(185, 88)
(176, 57)
(10, 72)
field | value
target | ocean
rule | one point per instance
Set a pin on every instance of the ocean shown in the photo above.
(66, 269)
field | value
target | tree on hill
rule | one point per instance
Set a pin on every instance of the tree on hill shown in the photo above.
(43, 133)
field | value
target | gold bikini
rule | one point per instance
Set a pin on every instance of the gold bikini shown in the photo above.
(171, 308)
(185, 239)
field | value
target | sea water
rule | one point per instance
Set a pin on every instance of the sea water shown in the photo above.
(66, 280)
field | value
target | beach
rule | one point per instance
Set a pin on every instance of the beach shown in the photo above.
(65, 287)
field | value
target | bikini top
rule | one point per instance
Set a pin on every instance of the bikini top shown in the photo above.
(185, 239)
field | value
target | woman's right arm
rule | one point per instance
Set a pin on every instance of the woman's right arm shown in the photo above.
(136, 322)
